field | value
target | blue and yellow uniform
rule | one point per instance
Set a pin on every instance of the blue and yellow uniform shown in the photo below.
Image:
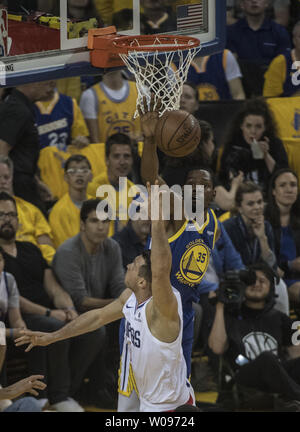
(282, 77)
(191, 248)
(59, 121)
(211, 79)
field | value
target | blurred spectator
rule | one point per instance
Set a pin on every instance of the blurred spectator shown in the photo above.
(108, 107)
(11, 315)
(33, 226)
(282, 76)
(133, 239)
(64, 216)
(217, 76)
(252, 235)
(19, 139)
(283, 213)
(28, 385)
(252, 146)
(156, 17)
(119, 162)
(89, 267)
(80, 10)
(9, 302)
(189, 99)
(45, 306)
(282, 12)
(224, 257)
(256, 38)
(123, 19)
(60, 121)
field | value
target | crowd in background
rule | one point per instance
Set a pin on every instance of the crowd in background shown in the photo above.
(61, 140)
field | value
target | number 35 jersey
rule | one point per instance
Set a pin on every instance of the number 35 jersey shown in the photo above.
(191, 247)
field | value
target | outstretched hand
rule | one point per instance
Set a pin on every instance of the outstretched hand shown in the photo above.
(26, 385)
(149, 116)
(33, 338)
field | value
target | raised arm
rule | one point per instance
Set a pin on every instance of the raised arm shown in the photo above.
(164, 300)
(85, 323)
(149, 162)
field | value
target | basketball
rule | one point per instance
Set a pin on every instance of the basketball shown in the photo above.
(177, 133)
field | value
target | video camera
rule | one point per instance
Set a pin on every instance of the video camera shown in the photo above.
(233, 284)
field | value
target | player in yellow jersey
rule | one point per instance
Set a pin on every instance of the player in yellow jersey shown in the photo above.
(108, 107)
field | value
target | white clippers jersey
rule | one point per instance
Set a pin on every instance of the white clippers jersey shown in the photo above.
(159, 368)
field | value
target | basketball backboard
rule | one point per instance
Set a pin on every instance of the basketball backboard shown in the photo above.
(37, 46)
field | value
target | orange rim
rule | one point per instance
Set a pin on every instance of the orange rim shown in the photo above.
(123, 44)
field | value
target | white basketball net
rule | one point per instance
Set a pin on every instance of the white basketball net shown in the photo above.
(157, 72)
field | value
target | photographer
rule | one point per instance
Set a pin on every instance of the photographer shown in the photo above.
(256, 339)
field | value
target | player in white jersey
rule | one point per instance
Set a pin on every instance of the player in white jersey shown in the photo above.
(153, 329)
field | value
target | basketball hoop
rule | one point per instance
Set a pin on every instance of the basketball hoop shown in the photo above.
(159, 63)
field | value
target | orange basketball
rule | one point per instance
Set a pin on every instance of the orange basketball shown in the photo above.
(177, 133)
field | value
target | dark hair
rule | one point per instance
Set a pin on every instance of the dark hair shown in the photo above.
(234, 136)
(87, 207)
(91, 205)
(118, 138)
(194, 87)
(4, 196)
(244, 188)
(76, 158)
(2, 251)
(196, 167)
(269, 273)
(206, 131)
(145, 269)
(272, 209)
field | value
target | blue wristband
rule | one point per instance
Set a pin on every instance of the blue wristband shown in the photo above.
(11, 333)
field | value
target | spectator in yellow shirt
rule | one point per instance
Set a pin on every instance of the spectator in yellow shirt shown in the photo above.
(119, 163)
(64, 217)
(33, 227)
(283, 75)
